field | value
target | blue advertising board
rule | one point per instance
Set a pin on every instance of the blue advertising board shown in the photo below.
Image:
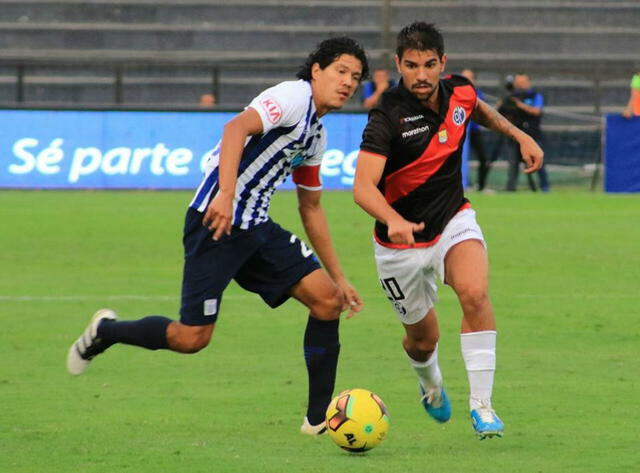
(622, 154)
(138, 149)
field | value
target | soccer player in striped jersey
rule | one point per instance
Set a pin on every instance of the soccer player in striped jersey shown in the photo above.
(229, 235)
(408, 177)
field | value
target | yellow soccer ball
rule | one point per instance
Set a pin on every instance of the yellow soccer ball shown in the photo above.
(357, 420)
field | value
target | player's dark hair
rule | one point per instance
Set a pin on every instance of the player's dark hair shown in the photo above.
(331, 49)
(421, 36)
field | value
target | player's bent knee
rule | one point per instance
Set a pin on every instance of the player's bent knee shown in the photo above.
(187, 339)
(419, 350)
(424, 344)
(328, 308)
(195, 344)
(474, 299)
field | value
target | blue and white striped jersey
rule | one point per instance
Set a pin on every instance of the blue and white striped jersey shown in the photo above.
(292, 138)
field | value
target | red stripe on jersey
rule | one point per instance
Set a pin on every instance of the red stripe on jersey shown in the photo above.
(397, 246)
(413, 175)
(308, 176)
(421, 244)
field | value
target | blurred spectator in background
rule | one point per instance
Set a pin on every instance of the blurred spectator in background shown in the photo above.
(633, 107)
(372, 90)
(524, 108)
(207, 101)
(475, 138)
(508, 108)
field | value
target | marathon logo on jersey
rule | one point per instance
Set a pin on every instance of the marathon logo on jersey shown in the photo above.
(274, 112)
(410, 119)
(459, 115)
(415, 131)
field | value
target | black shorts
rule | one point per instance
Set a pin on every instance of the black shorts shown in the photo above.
(265, 259)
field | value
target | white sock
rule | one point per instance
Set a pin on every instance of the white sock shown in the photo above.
(479, 353)
(428, 371)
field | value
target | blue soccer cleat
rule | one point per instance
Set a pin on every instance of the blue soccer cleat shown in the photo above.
(436, 403)
(486, 423)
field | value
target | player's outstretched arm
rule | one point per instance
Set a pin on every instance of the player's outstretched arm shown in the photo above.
(367, 195)
(317, 229)
(219, 214)
(490, 118)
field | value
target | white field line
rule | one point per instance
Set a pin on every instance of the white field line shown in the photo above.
(379, 295)
(125, 297)
(86, 298)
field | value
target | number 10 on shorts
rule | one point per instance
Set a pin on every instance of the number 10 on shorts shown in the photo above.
(392, 289)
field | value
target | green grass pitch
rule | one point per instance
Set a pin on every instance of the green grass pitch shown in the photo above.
(565, 272)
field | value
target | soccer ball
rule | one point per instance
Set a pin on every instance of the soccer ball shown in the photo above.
(357, 420)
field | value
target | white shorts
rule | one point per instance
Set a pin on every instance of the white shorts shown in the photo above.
(408, 275)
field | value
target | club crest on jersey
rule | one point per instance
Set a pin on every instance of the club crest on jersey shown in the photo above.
(274, 112)
(442, 136)
(459, 115)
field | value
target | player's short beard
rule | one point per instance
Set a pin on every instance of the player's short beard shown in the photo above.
(434, 89)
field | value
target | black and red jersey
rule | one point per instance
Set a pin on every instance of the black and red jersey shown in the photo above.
(422, 178)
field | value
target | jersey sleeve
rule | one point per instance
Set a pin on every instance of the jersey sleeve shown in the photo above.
(283, 105)
(308, 176)
(635, 82)
(377, 135)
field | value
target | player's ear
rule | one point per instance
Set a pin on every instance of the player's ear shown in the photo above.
(443, 60)
(397, 61)
(315, 70)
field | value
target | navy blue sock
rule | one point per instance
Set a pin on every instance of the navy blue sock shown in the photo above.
(149, 332)
(321, 350)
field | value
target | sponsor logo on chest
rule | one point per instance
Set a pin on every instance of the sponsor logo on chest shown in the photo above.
(415, 131)
(420, 129)
(411, 119)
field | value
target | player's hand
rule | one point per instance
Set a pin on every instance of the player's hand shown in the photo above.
(351, 299)
(532, 154)
(401, 231)
(218, 217)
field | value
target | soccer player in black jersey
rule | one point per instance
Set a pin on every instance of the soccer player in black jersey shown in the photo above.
(408, 177)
